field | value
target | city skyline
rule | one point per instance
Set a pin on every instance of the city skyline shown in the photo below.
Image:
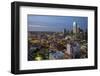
(55, 23)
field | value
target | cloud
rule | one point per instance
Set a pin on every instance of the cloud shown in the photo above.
(38, 26)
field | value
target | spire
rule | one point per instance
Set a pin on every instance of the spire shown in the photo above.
(74, 24)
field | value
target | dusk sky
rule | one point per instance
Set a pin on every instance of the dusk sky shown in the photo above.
(55, 23)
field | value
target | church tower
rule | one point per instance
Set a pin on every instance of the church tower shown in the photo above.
(74, 27)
